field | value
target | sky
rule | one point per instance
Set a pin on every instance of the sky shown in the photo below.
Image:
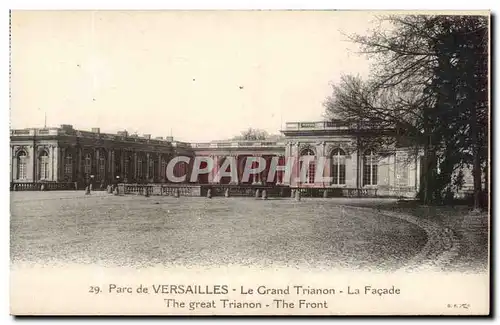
(196, 75)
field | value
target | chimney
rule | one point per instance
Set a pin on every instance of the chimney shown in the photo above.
(96, 130)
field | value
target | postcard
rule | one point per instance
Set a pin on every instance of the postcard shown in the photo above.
(259, 162)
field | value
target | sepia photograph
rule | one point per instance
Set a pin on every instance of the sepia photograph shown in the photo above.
(249, 162)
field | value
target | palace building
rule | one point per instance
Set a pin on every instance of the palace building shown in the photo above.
(64, 155)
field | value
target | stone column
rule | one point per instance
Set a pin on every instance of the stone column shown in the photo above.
(190, 169)
(212, 173)
(216, 170)
(30, 164)
(147, 167)
(267, 169)
(112, 165)
(135, 165)
(96, 169)
(288, 155)
(328, 171)
(52, 169)
(255, 177)
(159, 155)
(123, 172)
(56, 166)
(34, 160)
(80, 163)
(296, 174)
(279, 174)
(322, 150)
(109, 164)
(241, 165)
(237, 181)
(13, 160)
(74, 161)
(264, 174)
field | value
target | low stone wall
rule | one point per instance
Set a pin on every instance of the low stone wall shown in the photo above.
(42, 186)
(245, 190)
(398, 192)
(160, 189)
(337, 192)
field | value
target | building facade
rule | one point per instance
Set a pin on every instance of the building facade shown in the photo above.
(66, 155)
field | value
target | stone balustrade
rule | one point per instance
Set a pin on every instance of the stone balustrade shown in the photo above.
(47, 186)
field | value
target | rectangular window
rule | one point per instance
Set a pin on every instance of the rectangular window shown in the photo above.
(311, 173)
(338, 171)
(151, 168)
(87, 169)
(366, 174)
(44, 168)
(125, 167)
(102, 167)
(139, 168)
(22, 169)
(163, 168)
(370, 170)
(68, 167)
(374, 175)
(342, 174)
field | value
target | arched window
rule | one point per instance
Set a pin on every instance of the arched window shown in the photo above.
(44, 165)
(21, 164)
(338, 167)
(102, 167)
(310, 173)
(369, 168)
(68, 166)
(87, 167)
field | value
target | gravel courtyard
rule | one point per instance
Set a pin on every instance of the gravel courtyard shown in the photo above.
(70, 227)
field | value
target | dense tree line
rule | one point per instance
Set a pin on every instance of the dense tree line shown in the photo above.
(429, 82)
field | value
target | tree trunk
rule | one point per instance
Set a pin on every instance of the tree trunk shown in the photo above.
(476, 163)
(486, 191)
(476, 171)
(427, 171)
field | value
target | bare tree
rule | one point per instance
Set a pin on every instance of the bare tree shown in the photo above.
(429, 83)
(252, 134)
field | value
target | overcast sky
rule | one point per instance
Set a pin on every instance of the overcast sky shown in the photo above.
(200, 75)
